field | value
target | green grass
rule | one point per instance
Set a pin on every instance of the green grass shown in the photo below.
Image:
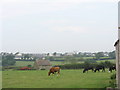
(67, 79)
(63, 58)
(0, 68)
(24, 63)
(57, 63)
(111, 60)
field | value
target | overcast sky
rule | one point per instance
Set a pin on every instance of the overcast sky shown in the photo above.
(42, 26)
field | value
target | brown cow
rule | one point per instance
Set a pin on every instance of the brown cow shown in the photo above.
(53, 70)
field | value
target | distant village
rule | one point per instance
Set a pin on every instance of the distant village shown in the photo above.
(34, 56)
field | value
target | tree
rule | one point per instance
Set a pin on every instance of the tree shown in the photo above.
(8, 60)
(70, 59)
(106, 64)
(54, 54)
(51, 58)
(109, 64)
(112, 54)
(80, 54)
(48, 54)
(99, 54)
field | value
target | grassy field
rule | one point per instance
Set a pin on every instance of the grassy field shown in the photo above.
(63, 58)
(67, 79)
(25, 63)
(112, 60)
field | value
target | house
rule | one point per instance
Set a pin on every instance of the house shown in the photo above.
(58, 54)
(37, 55)
(69, 54)
(117, 46)
(42, 64)
(18, 56)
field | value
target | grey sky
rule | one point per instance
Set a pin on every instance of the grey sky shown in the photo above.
(39, 26)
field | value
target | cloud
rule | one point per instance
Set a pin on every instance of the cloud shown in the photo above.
(70, 29)
(83, 1)
(56, 1)
(54, 22)
(12, 8)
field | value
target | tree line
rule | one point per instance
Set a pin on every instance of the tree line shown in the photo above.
(8, 59)
(106, 64)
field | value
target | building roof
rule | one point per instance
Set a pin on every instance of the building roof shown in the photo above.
(116, 42)
(43, 62)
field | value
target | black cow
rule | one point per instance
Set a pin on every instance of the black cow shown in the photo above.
(99, 67)
(88, 68)
(112, 68)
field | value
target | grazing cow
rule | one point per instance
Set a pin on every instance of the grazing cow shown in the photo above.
(53, 70)
(88, 68)
(99, 67)
(112, 68)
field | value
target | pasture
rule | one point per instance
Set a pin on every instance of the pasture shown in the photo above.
(67, 79)
(111, 60)
(25, 63)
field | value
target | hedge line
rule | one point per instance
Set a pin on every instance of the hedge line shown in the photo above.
(86, 64)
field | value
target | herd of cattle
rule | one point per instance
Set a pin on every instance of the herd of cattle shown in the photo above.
(53, 70)
(98, 68)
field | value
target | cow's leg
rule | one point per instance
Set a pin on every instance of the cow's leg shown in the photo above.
(52, 73)
(84, 71)
(59, 72)
(103, 69)
(95, 70)
(92, 70)
(111, 70)
(49, 73)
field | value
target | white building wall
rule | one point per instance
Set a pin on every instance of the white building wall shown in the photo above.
(118, 59)
(119, 66)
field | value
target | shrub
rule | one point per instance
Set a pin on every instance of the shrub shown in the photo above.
(29, 65)
(113, 81)
(72, 66)
(113, 76)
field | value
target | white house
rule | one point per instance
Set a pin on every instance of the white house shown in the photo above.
(18, 56)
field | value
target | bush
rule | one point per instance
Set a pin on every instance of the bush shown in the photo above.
(113, 81)
(87, 63)
(8, 60)
(113, 76)
(72, 66)
(107, 64)
(29, 65)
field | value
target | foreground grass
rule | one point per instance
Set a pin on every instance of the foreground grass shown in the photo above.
(67, 79)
